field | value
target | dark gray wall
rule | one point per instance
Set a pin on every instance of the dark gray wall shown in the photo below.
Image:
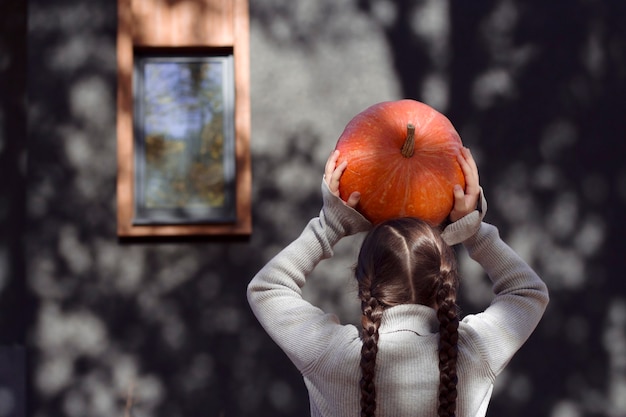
(13, 300)
(536, 89)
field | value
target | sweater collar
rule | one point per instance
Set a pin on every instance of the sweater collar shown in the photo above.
(417, 318)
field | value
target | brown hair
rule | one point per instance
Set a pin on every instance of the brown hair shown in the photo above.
(404, 261)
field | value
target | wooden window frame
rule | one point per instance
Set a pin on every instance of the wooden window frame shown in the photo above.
(193, 28)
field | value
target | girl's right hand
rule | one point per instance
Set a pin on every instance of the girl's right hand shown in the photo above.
(466, 201)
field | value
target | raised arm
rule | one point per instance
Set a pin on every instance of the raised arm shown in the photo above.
(520, 295)
(299, 328)
(520, 299)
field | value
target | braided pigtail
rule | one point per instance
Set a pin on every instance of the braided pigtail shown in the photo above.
(370, 320)
(448, 315)
(405, 261)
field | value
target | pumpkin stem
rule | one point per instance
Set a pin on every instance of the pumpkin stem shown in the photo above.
(408, 149)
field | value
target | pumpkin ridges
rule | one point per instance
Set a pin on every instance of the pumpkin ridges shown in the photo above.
(372, 143)
(396, 177)
(441, 192)
(396, 174)
(423, 123)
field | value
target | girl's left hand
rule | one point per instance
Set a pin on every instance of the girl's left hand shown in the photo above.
(332, 175)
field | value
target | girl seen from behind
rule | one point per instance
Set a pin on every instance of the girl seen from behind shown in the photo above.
(412, 356)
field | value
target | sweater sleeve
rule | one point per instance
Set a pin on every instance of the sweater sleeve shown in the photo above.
(467, 226)
(300, 329)
(520, 299)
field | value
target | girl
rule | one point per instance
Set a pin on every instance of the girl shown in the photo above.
(412, 356)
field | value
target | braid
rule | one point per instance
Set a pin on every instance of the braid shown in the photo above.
(447, 313)
(405, 261)
(372, 314)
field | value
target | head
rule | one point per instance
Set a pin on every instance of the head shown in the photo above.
(405, 261)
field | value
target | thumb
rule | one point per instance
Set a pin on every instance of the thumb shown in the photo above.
(459, 195)
(354, 198)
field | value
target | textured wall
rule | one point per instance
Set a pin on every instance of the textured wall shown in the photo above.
(536, 89)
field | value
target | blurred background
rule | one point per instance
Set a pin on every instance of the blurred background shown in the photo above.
(93, 327)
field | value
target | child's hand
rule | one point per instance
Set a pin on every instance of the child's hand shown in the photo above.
(332, 174)
(465, 201)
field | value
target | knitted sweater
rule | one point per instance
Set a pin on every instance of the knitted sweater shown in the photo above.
(327, 353)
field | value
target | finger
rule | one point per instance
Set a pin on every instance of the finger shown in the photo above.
(330, 164)
(472, 167)
(458, 209)
(354, 199)
(470, 171)
(470, 160)
(472, 185)
(459, 197)
(458, 202)
(336, 176)
(465, 168)
(340, 168)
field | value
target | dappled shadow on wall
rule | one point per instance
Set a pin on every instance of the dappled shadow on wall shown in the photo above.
(537, 91)
(166, 327)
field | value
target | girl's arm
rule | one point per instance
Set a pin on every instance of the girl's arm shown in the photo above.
(299, 328)
(520, 299)
(520, 295)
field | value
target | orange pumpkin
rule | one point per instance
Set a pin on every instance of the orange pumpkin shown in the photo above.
(402, 159)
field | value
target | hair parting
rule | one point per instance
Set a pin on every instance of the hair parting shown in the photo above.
(404, 261)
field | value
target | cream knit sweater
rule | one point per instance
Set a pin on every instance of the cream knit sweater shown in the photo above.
(327, 353)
